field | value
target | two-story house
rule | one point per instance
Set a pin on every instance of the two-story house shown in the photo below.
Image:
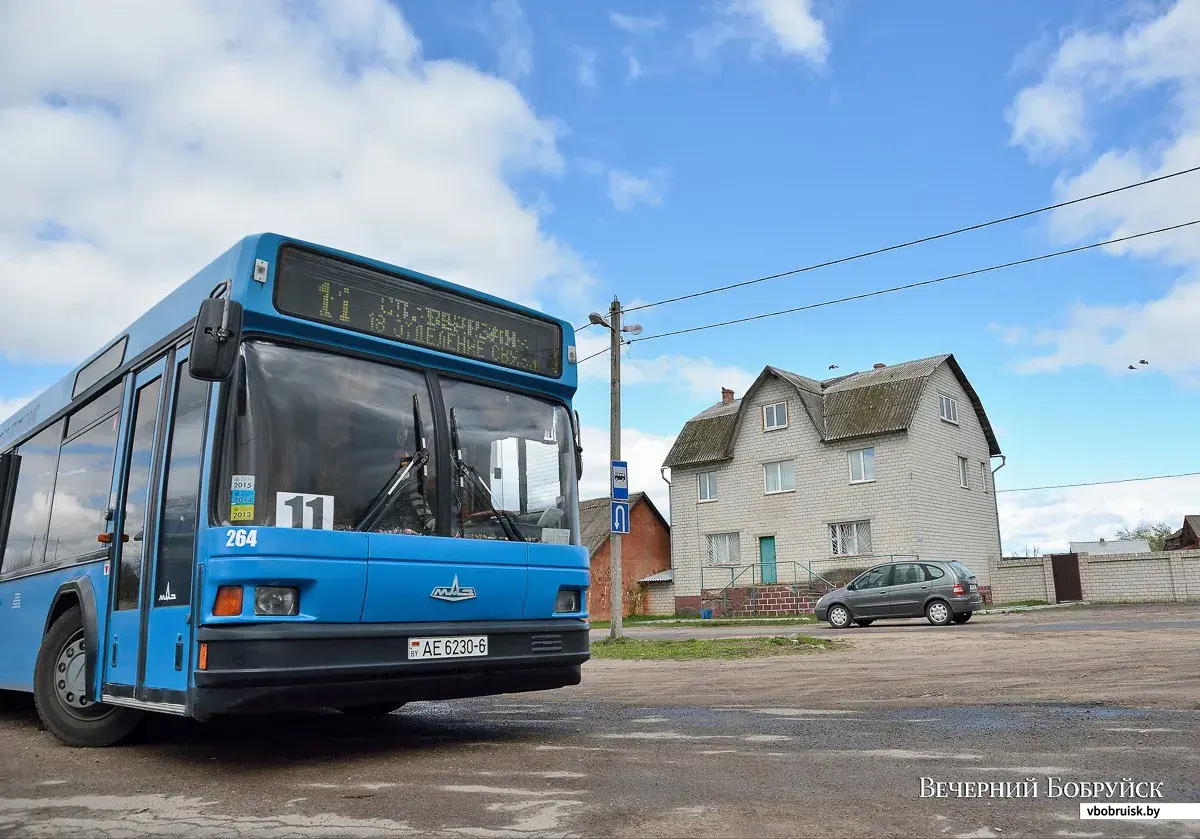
(802, 477)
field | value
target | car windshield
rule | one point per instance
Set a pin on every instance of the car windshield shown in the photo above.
(515, 465)
(314, 440)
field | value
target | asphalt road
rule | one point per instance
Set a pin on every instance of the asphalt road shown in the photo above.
(764, 748)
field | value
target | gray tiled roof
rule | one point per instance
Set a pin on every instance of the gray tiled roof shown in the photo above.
(594, 521)
(876, 401)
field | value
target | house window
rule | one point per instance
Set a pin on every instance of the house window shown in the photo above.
(852, 538)
(862, 465)
(983, 475)
(724, 549)
(779, 476)
(949, 409)
(708, 486)
(775, 416)
(962, 472)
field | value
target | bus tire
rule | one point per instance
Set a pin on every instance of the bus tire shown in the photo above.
(59, 685)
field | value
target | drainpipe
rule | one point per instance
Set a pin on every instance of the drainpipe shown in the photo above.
(662, 473)
(996, 507)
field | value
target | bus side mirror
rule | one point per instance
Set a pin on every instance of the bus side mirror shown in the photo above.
(215, 340)
(578, 448)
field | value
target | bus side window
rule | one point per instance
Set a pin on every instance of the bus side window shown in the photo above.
(8, 478)
(29, 516)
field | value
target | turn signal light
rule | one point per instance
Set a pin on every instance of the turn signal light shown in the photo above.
(229, 602)
(203, 655)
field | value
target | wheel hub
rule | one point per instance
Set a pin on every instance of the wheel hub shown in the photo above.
(70, 681)
(938, 612)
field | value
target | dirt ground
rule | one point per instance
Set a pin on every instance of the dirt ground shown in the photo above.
(827, 744)
(1135, 656)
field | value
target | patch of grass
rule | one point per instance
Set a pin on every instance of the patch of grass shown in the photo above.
(645, 649)
(671, 620)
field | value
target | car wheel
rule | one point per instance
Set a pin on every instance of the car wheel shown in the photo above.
(938, 613)
(368, 712)
(839, 617)
(963, 617)
(60, 690)
(865, 621)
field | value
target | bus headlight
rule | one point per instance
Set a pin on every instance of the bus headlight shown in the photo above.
(567, 600)
(276, 601)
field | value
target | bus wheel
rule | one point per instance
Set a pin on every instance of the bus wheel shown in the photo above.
(60, 688)
(367, 712)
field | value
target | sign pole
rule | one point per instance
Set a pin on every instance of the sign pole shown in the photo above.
(614, 431)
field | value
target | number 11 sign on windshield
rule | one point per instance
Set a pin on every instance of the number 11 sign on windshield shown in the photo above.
(619, 518)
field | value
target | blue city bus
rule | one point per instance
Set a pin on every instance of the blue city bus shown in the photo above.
(303, 480)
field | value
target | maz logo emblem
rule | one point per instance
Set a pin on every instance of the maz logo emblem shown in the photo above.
(453, 593)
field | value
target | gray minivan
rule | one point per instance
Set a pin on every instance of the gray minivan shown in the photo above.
(944, 592)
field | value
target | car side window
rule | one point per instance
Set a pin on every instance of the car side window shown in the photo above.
(875, 578)
(932, 572)
(907, 573)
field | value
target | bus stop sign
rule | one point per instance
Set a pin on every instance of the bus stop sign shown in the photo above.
(620, 481)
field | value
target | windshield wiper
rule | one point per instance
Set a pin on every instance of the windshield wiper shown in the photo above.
(464, 469)
(404, 472)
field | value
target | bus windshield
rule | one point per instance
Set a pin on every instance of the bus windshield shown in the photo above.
(319, 440)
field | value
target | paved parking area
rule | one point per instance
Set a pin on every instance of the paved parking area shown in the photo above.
(813, 745)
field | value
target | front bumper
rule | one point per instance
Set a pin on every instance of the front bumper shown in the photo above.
(821, 612)
(289, 666)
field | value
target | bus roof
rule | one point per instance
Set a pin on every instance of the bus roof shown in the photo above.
(178, 309)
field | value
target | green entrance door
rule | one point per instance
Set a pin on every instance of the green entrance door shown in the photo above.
(766, 559)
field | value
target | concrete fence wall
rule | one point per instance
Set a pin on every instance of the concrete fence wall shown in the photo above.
(1147, 578)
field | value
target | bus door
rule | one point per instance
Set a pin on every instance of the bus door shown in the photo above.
(131, 526)
(166, 661)
(149, 633)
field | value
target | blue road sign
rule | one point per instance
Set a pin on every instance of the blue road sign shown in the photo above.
(620, 480)
(620, 517)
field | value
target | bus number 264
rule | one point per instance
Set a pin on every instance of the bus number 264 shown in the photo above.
(241, 538)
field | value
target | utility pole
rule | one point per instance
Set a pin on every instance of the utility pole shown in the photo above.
(617, 605)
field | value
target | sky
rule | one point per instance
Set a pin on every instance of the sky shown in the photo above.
(559, 154)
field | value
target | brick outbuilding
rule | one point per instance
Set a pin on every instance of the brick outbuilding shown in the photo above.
(645, 553)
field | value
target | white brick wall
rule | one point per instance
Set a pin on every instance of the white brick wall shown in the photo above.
(1139, 578)
(661, 599)
(915, 505)
(952, 522)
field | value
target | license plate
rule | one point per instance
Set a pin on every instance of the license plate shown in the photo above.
(461, 646)
(974, 587)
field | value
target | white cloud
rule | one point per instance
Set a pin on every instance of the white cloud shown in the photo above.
(1048, 118)
(1050, 115)
(1051, 519)
(627, 190)
(638, 24)
(515, 39)
(634, 67)
(785, 26)
(585, 70)
(700, 379)
(1161, 331)
(1091, 69)
(10, 405)
(644, 452)
(231, 118)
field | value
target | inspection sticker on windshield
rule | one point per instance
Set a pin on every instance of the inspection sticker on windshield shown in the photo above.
(241, 498)
(462, 646)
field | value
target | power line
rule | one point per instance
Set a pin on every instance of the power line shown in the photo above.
(593, 355)
(907, 286)
(1102, 483)
(920, 241)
